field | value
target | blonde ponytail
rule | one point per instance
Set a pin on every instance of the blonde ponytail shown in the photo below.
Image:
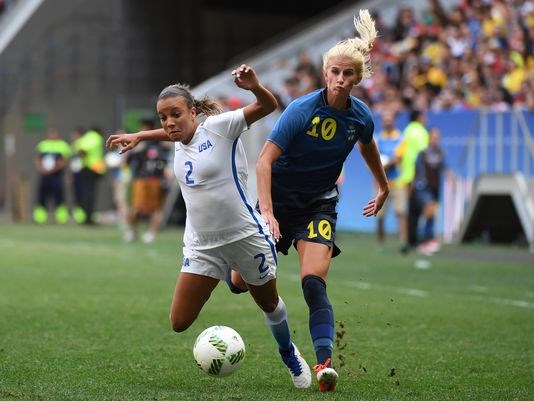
(357, 48)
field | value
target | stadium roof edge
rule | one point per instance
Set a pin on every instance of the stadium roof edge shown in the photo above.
(19, 15)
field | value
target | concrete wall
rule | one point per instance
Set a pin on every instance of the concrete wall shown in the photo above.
(91, 63)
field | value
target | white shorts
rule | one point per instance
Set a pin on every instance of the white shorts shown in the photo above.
(254, 257)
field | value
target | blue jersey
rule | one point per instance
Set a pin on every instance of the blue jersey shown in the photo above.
(315, 139)
(388, 146)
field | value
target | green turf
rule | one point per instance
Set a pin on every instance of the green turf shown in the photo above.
(85, 317)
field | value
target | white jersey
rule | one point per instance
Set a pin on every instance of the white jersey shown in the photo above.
(212, 172)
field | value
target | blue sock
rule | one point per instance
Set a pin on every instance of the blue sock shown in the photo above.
(321, 316)
(277, 321)
(429, 228)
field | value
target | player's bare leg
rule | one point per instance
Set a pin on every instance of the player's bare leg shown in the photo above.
(190, 294)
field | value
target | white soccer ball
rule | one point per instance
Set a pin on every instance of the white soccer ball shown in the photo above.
(219, 351)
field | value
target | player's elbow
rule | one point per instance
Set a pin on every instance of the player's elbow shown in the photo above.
(267, 107)
(271, 105)
(261, 167)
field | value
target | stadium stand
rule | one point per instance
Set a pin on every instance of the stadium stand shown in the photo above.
(468, 63)
(473, 59)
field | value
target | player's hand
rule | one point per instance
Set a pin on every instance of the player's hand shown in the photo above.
(370, 210)
(123, 142)
(245, 77)
(272, 224)
(374, 205)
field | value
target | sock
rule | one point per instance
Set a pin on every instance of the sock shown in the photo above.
(429, 228)
(277, 322)
(233, 288)
(321, 317)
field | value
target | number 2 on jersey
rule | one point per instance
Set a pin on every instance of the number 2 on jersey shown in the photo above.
(188, 179)
(262, 268)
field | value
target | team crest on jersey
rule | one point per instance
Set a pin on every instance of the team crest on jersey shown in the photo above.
(351, 132)
(204, 146)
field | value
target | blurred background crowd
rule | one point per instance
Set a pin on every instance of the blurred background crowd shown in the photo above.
(478, 54)
(462, 57)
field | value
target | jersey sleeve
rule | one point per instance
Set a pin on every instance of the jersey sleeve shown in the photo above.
(288, 125)
(230, 124)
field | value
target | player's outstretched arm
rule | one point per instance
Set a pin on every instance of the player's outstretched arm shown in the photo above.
(125, 142)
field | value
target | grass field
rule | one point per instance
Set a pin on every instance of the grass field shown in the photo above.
(85, 317)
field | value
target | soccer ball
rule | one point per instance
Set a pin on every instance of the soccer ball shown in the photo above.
(219, 351)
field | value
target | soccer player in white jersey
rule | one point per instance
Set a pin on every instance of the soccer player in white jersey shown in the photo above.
(223, 229)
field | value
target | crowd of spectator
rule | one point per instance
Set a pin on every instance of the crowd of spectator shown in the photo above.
(477, 54)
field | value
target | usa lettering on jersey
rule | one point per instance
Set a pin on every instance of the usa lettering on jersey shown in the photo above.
(204, 146)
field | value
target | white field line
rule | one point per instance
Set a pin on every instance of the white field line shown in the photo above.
(504, 301)
(477, 288)
(6, 243)
(84, 250)
(414, 292)
(363, 285)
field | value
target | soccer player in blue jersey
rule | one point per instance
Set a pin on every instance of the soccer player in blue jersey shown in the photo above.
(297, 171)
(222, 227)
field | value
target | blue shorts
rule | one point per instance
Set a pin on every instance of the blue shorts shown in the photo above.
(316, 223)
(425, 196)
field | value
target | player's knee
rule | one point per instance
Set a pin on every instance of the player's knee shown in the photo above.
(179, 323)
(265, 296)
(235, 289)
(313, 283)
